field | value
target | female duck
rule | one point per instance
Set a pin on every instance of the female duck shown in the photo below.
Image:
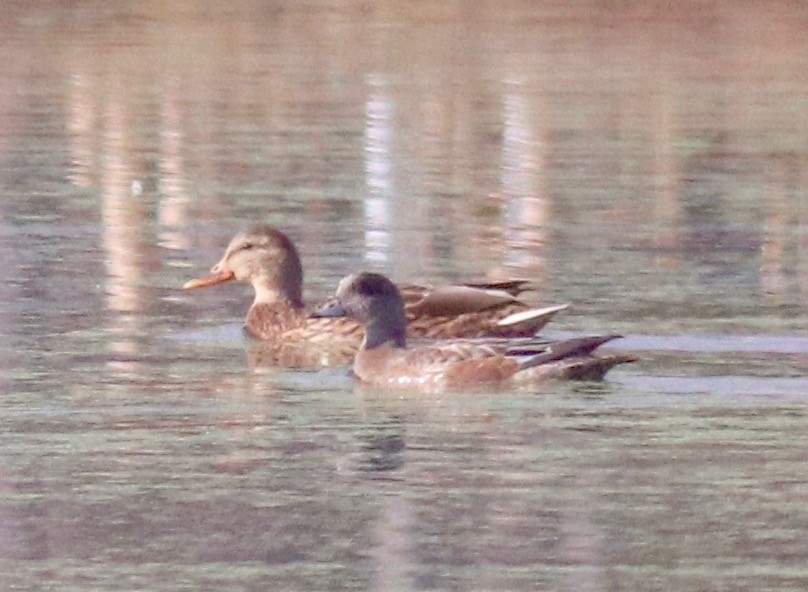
(265, 258)
(384, 360)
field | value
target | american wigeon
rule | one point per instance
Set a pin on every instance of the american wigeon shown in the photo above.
(384, 359)
(265, 257)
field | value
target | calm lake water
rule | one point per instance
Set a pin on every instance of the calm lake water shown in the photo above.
(644, 161)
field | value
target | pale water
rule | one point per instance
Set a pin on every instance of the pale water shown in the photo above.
(645, 162)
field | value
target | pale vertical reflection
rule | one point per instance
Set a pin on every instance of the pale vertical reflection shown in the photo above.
(80, 123)
(378, 173)
(173, 207)
(121, 218)
(525, 212)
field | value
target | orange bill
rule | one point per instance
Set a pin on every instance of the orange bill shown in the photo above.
(209, 280)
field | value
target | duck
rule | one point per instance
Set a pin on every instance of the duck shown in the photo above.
(266, 258)
(385, 360)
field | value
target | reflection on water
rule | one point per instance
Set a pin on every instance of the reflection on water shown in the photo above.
(644, 162)
(379, 177)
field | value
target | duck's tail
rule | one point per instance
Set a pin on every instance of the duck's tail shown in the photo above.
(584, 368)
(567, 348)
(572, 359)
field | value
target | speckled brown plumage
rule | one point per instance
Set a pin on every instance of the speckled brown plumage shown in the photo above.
(266, 258)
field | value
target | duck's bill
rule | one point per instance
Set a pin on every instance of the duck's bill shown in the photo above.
(329, 310)
(209, 280)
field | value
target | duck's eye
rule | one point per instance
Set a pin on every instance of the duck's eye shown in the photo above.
(247, 246)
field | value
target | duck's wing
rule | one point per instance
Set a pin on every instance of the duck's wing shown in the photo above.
(536, 350)
(443, 312)
(453, 300)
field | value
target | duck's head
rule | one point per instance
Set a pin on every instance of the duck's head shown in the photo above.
(264, 257)
(375, 302)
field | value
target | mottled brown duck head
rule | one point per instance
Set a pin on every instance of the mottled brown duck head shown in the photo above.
(264, 257)
(375, 302)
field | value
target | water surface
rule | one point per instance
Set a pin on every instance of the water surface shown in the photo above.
(644, 162)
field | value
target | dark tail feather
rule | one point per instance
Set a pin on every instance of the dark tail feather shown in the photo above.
(574, 368)
(512, 287)
(590, 367)
(568, 348)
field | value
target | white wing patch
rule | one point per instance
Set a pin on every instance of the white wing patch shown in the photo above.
(524, 316)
